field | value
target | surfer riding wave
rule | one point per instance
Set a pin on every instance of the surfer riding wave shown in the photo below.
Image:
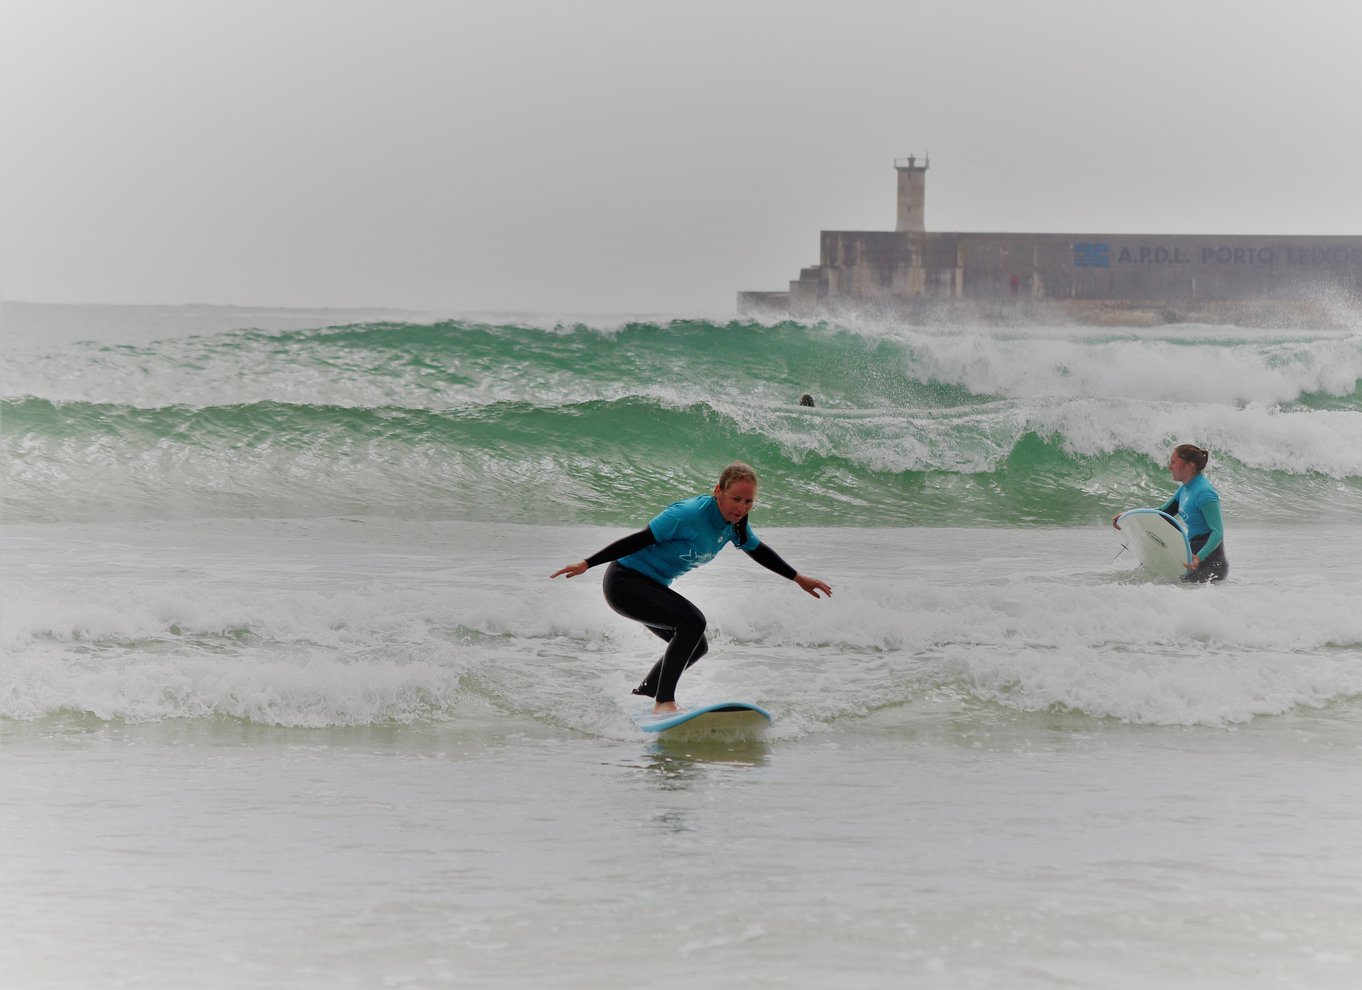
(683, 536)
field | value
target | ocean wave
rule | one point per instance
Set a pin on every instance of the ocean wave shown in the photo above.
(995, 462)
(566, 422)
(453, 363)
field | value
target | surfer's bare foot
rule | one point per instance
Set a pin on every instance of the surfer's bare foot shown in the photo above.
(666, 708)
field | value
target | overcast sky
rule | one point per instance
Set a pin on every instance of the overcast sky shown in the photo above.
(584, 156)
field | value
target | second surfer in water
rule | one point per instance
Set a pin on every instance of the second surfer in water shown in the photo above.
(683, 536)
(1197, 501)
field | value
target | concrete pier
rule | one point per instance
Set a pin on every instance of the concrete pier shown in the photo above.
(1103, 278)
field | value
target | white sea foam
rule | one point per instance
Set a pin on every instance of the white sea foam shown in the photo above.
(1257, 435)
(288, 632)
(1222, 366)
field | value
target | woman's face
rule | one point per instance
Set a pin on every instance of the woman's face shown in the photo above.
(736, 500)
(1183, 471)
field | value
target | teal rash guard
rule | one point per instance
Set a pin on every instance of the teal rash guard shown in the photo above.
(688, 533)
(1198, 503)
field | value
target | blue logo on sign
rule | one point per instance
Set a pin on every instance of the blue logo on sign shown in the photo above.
(1087, 255)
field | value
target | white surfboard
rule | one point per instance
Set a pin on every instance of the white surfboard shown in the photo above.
(1158, 540)
(725, 720)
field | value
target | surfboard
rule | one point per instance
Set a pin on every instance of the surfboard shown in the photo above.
(725, 720)
(1158, 540)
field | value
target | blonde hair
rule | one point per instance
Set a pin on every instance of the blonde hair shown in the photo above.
(737, 471)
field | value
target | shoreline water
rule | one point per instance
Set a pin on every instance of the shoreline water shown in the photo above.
(1030, 854)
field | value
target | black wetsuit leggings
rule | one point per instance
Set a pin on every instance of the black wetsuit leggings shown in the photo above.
(668, 615)
(1216, 567)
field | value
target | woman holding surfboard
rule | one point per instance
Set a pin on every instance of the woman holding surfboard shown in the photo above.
(681, 537)
(1197, 501)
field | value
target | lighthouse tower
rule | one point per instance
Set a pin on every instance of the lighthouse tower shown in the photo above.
(912, 193)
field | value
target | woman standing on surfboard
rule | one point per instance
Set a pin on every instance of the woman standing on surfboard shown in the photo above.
(684, 535)
(1197, 501)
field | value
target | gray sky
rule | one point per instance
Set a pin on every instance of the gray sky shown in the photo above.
(588, 156)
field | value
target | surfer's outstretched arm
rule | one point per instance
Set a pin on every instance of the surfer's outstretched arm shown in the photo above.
(623, 547)
(772, 561)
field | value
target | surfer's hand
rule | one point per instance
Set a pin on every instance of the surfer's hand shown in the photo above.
(813, 586)
(1196, 562)
(1114, 523)
(571, 570)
